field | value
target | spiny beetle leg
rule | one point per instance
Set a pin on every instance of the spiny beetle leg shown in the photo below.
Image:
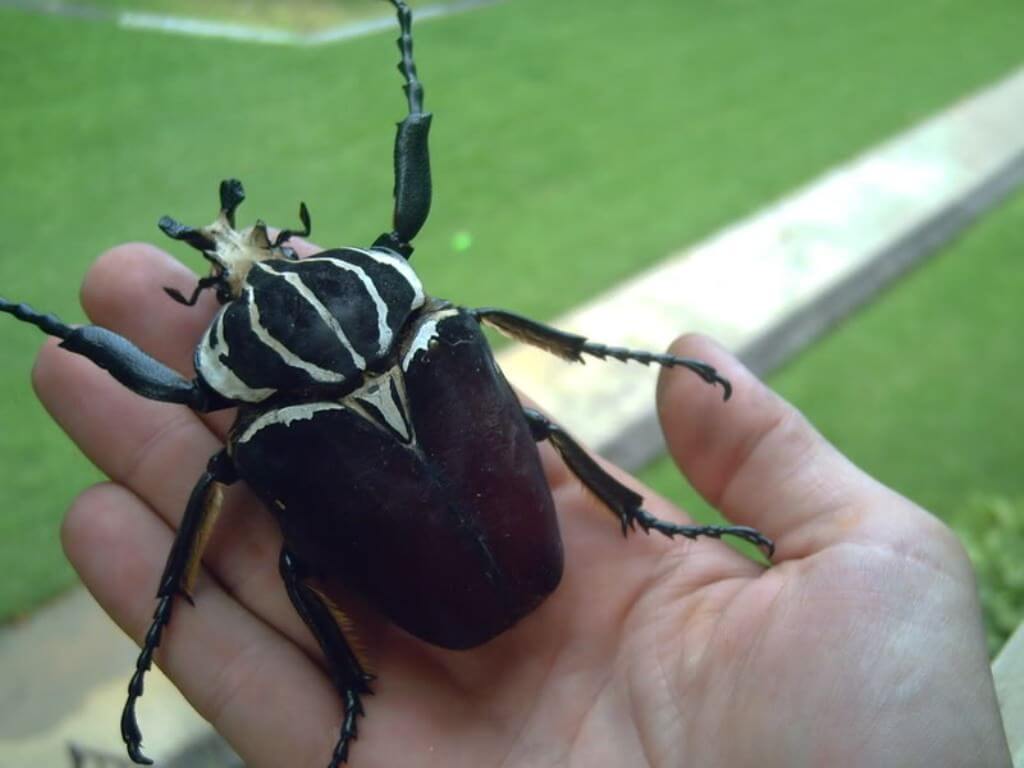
(51, 325)
(649, 523)
(347, 673)
(571, 347)
(136, 370)
(411, 156)
(625, 503)
(186, 553)
(407, 66)
(202, 285)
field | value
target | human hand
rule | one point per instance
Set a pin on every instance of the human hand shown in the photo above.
(861, 646)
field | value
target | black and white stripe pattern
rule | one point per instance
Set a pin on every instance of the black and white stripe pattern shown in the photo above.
(309, 325)
(382, 401)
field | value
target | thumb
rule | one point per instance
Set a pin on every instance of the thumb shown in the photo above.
(762, 464)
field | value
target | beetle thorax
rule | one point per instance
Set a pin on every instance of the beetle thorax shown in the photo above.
(318, 326)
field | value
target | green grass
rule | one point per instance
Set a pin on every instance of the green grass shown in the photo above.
(576, 142)
(922, 390)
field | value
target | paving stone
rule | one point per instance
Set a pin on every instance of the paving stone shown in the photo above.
(767, 286)
(65, 675)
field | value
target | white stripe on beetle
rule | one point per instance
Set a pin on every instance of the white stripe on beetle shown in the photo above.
(295, 281)
(378, 393)
(288, 357)
(219, 376)
(286, 416)
(384, 334)
(401, 266)
(426, 333)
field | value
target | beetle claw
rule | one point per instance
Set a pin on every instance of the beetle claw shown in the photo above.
(136, 756)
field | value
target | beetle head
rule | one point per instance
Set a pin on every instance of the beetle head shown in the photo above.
(231, 252)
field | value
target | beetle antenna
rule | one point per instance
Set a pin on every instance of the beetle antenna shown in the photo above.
(412, 191)
(307, 227)
(413, 87)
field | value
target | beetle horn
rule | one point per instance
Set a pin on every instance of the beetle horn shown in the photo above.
(307, 227)
(259, 236)
(178, 231)
(232, 193)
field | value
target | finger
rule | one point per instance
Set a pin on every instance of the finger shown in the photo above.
(759, 461)
(595, 528)
(123, 291)
(155, 449)
(228, 663)
(158, 451)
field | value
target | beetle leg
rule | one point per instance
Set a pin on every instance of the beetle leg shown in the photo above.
(571, 347)
(202, 285)
(126, 362)
(412, 156)
(182, 565)
(622, 501)
(347, 673)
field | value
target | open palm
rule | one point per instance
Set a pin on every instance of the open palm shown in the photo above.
(861, 646)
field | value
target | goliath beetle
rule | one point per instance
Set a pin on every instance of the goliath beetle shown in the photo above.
(375, 425)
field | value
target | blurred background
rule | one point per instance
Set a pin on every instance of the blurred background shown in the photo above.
(574, 143)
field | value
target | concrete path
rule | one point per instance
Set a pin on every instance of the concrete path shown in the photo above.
(64, 676)
(1008, 670)
(770, 284)
(246, 33)
(765, 287)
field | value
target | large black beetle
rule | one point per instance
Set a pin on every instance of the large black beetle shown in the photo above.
(375, 424)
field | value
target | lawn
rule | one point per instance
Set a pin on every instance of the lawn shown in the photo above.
(574, 143)
(922, 391)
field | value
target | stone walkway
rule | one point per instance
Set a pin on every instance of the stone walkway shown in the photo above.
(226, 30)
(765, 287)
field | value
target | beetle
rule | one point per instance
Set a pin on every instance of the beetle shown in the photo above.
(375, 424)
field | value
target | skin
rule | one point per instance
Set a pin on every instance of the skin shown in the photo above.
(861, 646)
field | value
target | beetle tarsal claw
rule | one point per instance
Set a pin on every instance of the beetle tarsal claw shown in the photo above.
(175, 294)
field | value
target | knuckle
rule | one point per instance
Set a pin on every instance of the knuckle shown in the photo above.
(123, 268)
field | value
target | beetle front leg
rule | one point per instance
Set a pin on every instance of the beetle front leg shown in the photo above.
(346, 670)
(625, 503)
(412, 155)
(204, 505)
(572, 347)
(123, 360)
